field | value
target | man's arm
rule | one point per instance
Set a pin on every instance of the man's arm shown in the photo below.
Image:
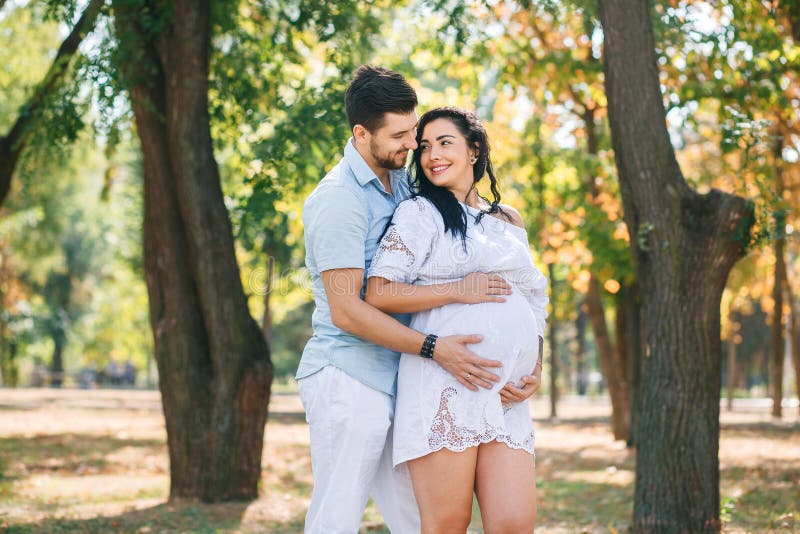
(353, 315)
(397, 297)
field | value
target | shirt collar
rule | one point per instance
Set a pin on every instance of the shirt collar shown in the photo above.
(362, 171)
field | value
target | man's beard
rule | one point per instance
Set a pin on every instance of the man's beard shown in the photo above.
(387, 161)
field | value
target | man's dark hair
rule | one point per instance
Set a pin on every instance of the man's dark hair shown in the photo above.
(375, 91)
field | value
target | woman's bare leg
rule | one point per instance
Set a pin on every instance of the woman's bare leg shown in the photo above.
(505, 484)
(443, 485)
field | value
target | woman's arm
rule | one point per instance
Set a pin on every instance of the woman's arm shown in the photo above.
(397, 297)
(353, 315)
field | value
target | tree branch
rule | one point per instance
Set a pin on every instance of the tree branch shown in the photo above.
(13, 143)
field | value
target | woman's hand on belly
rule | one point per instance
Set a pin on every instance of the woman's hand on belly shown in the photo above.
(530, 383)
(481, 287)
(511, 393)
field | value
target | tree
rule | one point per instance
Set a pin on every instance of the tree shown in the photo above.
(752, 97)
(684, 245)
(13, 144)
(780, 281)
(26, 118)
(66, 289)
(256, 63)
(213, 363)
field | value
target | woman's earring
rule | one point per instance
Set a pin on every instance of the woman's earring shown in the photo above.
(472, 160)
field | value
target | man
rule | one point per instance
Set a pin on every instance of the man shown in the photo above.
(348, 370)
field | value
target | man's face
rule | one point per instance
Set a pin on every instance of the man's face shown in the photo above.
(390, 144)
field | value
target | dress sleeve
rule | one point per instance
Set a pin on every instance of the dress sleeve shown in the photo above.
(533, 285)
(538, 300)
(407, 244)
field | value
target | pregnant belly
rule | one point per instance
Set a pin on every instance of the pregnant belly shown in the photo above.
(508, 329)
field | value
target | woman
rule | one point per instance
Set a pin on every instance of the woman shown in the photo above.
(456, 439)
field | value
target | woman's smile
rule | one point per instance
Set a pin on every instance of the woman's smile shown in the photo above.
(439, 168)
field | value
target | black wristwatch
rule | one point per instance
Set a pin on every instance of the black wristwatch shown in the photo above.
(428, 346)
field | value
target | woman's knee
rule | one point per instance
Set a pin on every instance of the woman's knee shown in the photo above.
(518, 522)
(450, 520)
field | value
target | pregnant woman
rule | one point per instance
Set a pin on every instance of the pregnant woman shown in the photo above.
(455, 437)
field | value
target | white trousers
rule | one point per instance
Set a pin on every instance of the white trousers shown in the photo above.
(351, 456)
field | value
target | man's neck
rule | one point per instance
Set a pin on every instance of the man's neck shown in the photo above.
(381, 172)
(386, 182)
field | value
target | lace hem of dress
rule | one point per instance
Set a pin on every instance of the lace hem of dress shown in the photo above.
(526, 446)
(444, 433)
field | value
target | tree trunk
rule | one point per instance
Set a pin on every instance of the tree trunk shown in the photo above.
(9, 371)
(6, 361)
(777, 345)
(792, 10)
(608, 363)
(266, 319)
(57, 364)
(13, 144)
(613, 372)
(580, 352)
(622, 361)
(149, 367)
(12, 372)
(761, 359)
(633, 371)
(793, 333)
(684, 245)
(621, 337)
(553, 349)
(213, 363)
(731, 368)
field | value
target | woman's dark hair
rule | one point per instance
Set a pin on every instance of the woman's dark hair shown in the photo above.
(453, 214)
(375, 91)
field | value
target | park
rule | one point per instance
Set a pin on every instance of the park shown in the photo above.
(155, 295)
(96, 461)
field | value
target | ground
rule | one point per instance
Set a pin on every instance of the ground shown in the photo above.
(96, 461)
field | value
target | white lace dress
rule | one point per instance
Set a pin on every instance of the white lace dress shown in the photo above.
(434, 410)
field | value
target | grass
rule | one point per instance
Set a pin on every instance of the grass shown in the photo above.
(96, 461)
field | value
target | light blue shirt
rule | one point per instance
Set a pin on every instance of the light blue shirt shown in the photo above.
(344, 219)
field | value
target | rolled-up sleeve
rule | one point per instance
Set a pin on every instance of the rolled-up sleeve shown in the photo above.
(336, 229)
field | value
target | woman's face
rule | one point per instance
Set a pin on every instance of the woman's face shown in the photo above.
(445, 157)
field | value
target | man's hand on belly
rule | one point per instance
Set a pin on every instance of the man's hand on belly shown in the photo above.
(452, 354)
